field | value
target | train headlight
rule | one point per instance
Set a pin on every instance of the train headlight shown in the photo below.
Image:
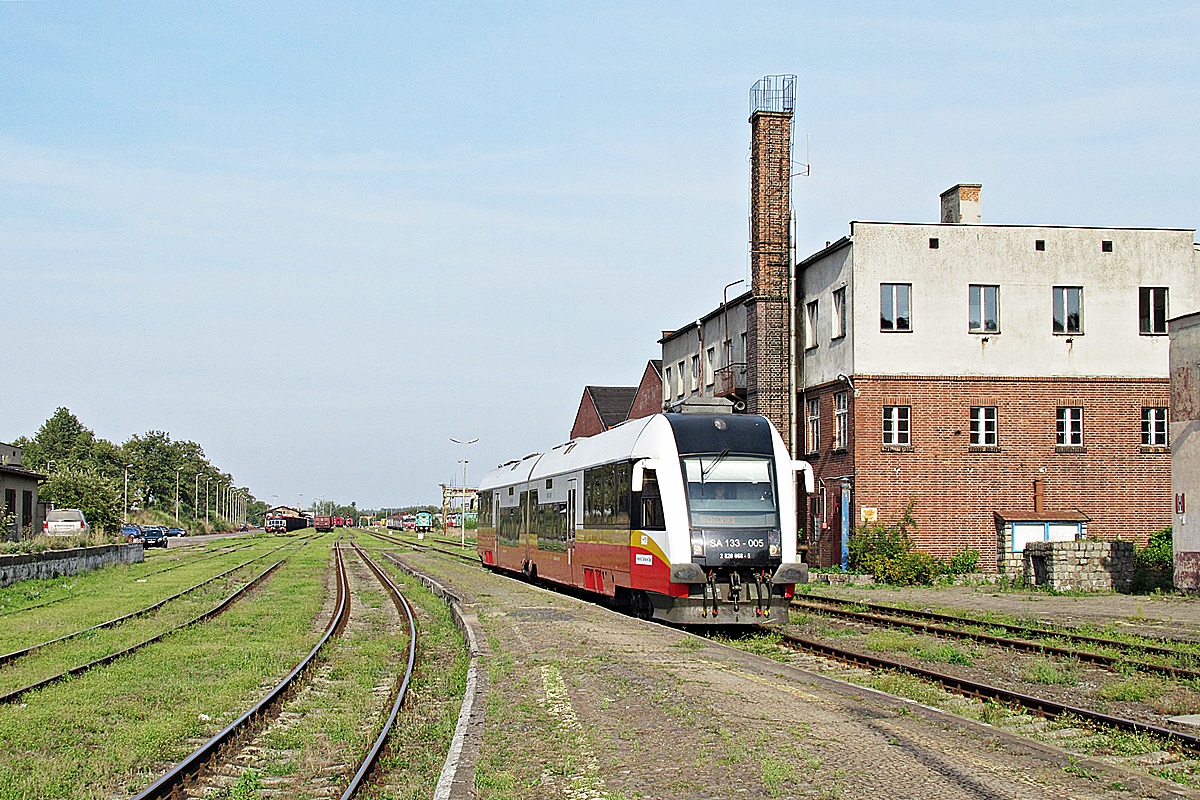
(697, 543)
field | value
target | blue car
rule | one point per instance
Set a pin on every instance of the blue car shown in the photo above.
(131, 532)
(176, 532)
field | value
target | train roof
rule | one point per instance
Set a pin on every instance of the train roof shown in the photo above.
(657, 435)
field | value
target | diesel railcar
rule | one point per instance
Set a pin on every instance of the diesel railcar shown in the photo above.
(687, 518)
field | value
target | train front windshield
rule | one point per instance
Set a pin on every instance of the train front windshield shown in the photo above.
(726, 491)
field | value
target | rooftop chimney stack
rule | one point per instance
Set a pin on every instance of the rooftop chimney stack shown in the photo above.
(768, 323)
(960, 204)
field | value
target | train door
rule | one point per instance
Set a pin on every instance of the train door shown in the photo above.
(571, 500)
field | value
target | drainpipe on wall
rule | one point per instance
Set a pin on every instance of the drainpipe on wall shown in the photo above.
(845, 526)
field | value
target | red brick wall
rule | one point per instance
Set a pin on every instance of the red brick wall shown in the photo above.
(768, 379)
(1123, 488)
(587, 419)
(648, 400)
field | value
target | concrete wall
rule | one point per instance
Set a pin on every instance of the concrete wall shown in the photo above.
(55, 563)
(1026, 345)
(823, 358)
(693, 340)
(1185, 449)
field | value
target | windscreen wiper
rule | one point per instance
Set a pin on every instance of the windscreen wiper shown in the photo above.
(704, 472)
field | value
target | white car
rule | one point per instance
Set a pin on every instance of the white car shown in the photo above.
(65, 522)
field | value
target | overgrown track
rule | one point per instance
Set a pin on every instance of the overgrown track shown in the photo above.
(207, 615)
(13, 656)
(402, 606)
(1108, 662)
(472, 559)
(188, 769)
(1038, 705)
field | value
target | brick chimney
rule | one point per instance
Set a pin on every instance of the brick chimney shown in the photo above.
(768, 324)
(961, 203)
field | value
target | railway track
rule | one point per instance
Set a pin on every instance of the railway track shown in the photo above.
(182, 563)
(17, 694)
(924, 622)
(422, 546)
(206, 760)
(1167, 648)
(8, 658)
(963, 686)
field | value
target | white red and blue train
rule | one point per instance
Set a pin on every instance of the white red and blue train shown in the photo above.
(687, 518)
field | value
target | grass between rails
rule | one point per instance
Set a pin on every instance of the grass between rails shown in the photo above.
(91, 598)
(111, 731)
(416, 750)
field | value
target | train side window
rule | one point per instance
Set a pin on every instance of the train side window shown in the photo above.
(652, 507)
(623, 476)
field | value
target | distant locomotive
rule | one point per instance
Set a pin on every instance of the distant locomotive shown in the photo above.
(688, 518)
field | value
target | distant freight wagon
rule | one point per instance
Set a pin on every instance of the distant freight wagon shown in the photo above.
(323, 523)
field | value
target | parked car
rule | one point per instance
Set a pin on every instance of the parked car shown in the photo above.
(154, 536)
(176, 532)
(131, 532)
(65, 522)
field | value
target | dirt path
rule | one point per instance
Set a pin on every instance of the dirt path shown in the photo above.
(585, 703)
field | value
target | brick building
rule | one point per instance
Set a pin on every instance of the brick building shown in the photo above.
(1008, 382)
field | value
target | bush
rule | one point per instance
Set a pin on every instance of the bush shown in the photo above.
(1157, 552)
(1154, 564)
(887, 552)
(963, 562)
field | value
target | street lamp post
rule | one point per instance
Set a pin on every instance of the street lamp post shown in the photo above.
(177, 471)
(127, 468)
(207, 483)
(462, 517)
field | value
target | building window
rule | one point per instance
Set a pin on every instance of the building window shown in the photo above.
(667, 385)
(1068, 309)
(895, 300)
(1106, 246)
(895, 425)
(1154, 427)
(1039, 244)
(983, 426)
(841, 419)
(810, 325)
(984, 309)
(729, 352)
(1152, 310)
(679, 380)
(709, 355)
(933, 243)
(695, 382)
(839, 313)
(1070, 426)
(813, 406)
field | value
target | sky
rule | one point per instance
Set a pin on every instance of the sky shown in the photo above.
(321, 239)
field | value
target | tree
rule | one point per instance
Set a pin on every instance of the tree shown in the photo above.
(84, 488)
(63, 439)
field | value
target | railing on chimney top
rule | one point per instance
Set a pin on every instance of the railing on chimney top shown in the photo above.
(775, 93)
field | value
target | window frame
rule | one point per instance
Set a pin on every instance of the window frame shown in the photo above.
(983, 417)
(1155, 426)
(812, 312)
(977, 301)
(710, 375)
(1061, 311)
(841, 420)
(893, 292)
(838, 312)
(1148, 322)
(812, 408)
(1068, 427)
(897, 426)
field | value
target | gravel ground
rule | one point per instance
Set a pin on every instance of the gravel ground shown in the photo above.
(585, 703)
(1174, 616)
